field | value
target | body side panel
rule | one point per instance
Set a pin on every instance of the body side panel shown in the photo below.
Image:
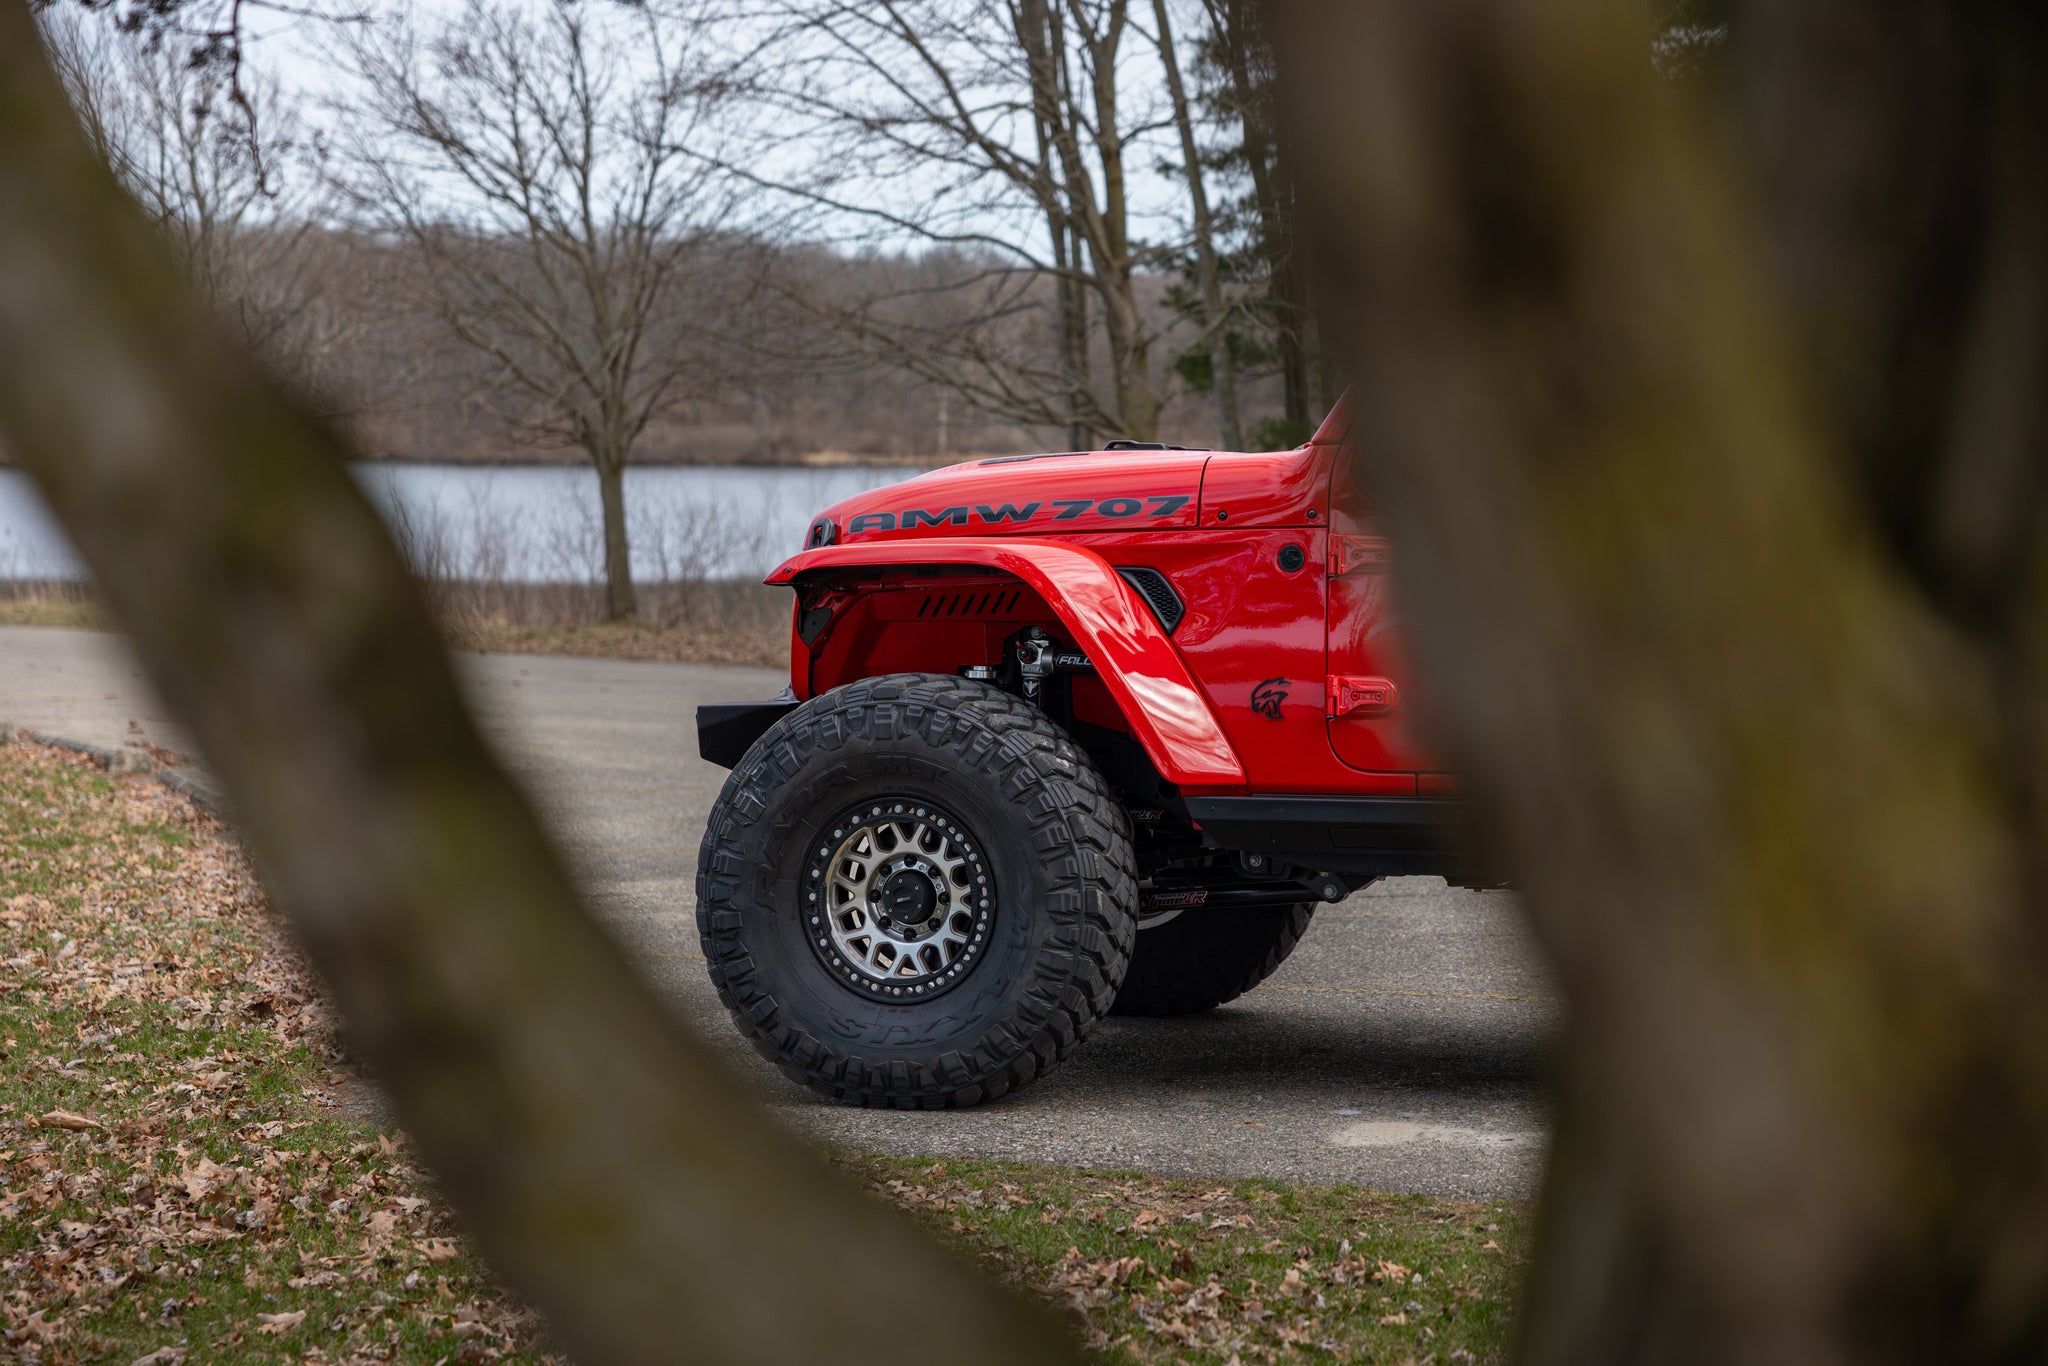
(1254, 640)
(1277, 488)
(1365, 630)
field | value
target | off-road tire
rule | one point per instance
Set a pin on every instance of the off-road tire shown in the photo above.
(1058, 852)
(1202, 958)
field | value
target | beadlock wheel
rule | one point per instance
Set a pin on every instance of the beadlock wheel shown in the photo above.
(975, 893)
(899, 899)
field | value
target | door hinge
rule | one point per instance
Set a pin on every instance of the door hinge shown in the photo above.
(1360, 554)
(1350, 694)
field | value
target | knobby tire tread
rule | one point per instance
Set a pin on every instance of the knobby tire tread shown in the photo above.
(1203, 959)
(1068, 811)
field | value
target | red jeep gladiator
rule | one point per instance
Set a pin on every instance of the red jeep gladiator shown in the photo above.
(1065, 735)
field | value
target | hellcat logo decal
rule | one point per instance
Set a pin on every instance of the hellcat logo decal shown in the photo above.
(1267, 697)
(994, 514)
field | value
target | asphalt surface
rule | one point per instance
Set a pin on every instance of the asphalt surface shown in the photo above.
(1402, 1046)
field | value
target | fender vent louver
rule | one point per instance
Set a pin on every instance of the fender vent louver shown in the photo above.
(935, 606)
(1157, 593)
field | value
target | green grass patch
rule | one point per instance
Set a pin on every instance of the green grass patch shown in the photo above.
(1166, 1270)
(189, 1167)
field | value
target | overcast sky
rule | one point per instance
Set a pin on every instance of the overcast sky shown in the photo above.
(299, 53)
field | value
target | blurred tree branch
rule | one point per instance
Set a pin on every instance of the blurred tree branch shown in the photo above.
(1717, 467)
(605, 1166)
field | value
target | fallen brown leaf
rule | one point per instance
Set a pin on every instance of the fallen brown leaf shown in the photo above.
(280, 1323)
(204, 1179)
(66, 1119)
(39, 1325)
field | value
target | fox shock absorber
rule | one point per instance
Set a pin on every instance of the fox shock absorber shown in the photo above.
(1039, 658)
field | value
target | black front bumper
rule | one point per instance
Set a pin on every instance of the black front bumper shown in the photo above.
(727, 730)
(1379, 836)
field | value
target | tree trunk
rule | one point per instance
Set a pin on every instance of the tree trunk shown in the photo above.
(1039, 32)
(1137, 405)
(1107, 227)
(621, 603)
(1074, 347)
(1722, 533)
(604, 1164)
(1289, 302)
(1222, 363)
(1293, 298)
(1130, 361)
(1241, 22)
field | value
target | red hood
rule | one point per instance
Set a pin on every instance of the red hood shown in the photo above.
(1032, 494)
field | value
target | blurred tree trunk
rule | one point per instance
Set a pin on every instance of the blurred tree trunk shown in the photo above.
(1244, 52)
(1717, 462)
(605, 1166)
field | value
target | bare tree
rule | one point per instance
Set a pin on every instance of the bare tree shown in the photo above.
(179, 135)
(1716, 443)
(553, 172)
(1214, 316)
(1000, 132)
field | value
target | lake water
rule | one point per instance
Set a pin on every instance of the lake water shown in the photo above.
(539, 523)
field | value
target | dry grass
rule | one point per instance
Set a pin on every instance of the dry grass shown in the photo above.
(714, 623)
(721, 622)
(49, 602)
(764, 648)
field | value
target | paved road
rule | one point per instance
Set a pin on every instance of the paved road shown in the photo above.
(1402, 1046)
